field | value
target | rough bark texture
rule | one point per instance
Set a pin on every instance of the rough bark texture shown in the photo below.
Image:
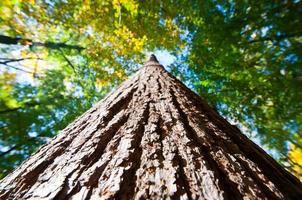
(152, 138)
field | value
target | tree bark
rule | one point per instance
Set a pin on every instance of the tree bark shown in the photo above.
(152, 138)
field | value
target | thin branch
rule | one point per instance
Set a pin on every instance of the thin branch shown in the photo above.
(10, 60)
(8, 151)
(67, 60)
(16, 68)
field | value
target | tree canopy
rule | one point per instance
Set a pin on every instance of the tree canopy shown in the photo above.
(59, 57)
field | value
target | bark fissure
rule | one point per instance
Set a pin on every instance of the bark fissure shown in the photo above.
(182, 179)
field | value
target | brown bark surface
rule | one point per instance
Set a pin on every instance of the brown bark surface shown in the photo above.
(152, 138)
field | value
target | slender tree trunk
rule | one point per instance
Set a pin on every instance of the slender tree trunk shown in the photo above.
(152, 138)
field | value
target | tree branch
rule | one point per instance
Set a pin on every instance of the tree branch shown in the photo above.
(23, 41)
(29, 104)
(9, 60)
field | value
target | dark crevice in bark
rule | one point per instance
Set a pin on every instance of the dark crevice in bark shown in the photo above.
(182, 180)
(159, 86)
(127, 186)
(119, 105)
(160, 124)
(113, 110)
(162, 134)
(99, 151)
(74, 190)
(4, 194)
(89, 193)
(65, 187)
(103, 141)
(281, 181)
(181, 183)
(234, 149)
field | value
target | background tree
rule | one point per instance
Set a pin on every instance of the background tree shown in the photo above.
(243, 57)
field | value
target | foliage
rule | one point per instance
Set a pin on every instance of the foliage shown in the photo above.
(295, 159)
(244, 57)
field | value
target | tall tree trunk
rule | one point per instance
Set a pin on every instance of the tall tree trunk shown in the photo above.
(152, 138)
